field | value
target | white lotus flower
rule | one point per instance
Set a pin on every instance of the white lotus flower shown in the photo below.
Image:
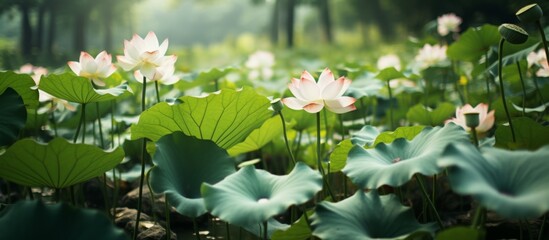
(312, 96)
(448, 23)
(94, 69)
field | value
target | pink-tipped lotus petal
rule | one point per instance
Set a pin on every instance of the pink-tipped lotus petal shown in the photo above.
(151, 41)
(307, 75)
(294, 103)
(487, 122)
(313, 107)
(163, 47)
(125, 63)
(326, 77)
(333, 89)
(346, 85)
(339, 102)
(342, 110)
(294, 89)
(309, 89)
(74, 66)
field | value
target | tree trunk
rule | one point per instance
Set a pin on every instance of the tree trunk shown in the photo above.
(26, 29)
(275, 22)
(52, 24)
(108, 11)
(79, 38)
(326, 20)
(38, 43)
(290, 11)
(384, 22)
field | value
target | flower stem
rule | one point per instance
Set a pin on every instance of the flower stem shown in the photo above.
(500, 68)
(475, 137)
(431, 204)
(54, 124)
(391, 123)
(157, 91)
(480, 216)
(195, 228)
(319, 157)
(82, 109)
(101, 141)
(286, 137)
(487, 76)
(542, 228)
(167, 211)
(143, 153)
(265, 233)
(83, 123)
(227, 227)
(523, 90)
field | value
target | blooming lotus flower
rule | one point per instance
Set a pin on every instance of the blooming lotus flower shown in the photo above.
(145, 55)
(431, 55)
(448, 23)
(260, 63)
(163, 74)
(544, 69)
(36, 73)
(312, 96)
(536, 58)
(93, 68)
(390, 60)
(486, 119)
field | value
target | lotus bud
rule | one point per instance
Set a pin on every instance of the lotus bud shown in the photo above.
(513, 33)
(472, 119)
(529, 13)
(277, 105)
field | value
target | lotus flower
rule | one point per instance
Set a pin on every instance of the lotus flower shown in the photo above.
(312, 96)
(146, 55)
(448, 23)
(390, 60)
(431, 55)
(486, 119)
(94, 69)
(536, 58)
(164, 74)
(260, 63)
(36, 73)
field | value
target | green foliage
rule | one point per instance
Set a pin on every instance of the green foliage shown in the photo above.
(459, 233)
(13, 117)
(22, 84)
(474, 43)
(182, 164)
(511, 183)
(297, 231)
(529, 135)
(226, 118)
(57, 221)
(202, 79)
(79, 89)
(408, 133)
(366, 216)
(430, 117)
(58, 164)
(270, 129)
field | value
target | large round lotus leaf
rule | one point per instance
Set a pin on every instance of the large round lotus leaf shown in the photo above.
(226, 117)
(253, 196)
(182, 164)
(57, 164)
(22, 84)
(366, 216)
(13, 118)
(395, 163)
(511, 183)
(30, 220)
(78, 89)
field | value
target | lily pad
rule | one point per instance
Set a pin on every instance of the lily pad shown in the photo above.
(203, 78)
(389, 74)
(408, 133)
(431, 117)
(58, 221)
(395, 163)
(366, 216)
(13, 117)
(510, 183)
(270, 129)
(182, 164)
(253, 196)
(226, 117)
(528, 133)
(78, 89)
(365, 88)
(57, 164)
(474, 43)
(298, 231)
(365, 137)
(22, 84)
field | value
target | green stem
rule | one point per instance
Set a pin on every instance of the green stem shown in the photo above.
(475, 137)
(167, 211)
(80, 123)
(500, 68)
(478, 219)
(228, 230)
(543, 40)
(99, 125)
(195, 228)
(364, 110)
(542, 228)
(391, 122)
(431, 204)
(113, 124)
(157, 91)
(265, 232)
(143, 153)
(53, 123)
(286, 137)
(523, 90)
(342, 127)
(487, 76)
(319, 157)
